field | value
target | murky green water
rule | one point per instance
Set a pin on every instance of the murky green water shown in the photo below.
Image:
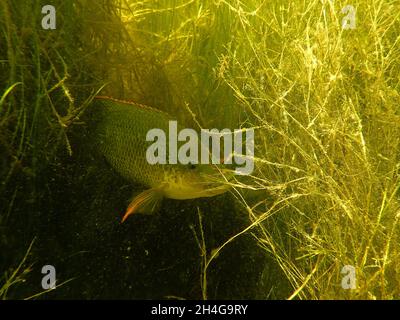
(316, 81)
(60, 195)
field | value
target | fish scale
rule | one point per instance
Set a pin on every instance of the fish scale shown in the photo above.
(121, 132)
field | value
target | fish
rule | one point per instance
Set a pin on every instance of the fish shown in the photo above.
(120, 136)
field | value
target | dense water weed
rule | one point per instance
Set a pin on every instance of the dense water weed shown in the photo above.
(318, 81)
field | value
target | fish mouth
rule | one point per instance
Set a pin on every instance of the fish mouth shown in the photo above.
(206, 192)
(216, 190)
(216, 183)
(196, 190)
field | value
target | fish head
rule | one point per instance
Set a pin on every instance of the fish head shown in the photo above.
(196, 181)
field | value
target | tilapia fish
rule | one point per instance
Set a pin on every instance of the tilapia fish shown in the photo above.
(121, 137)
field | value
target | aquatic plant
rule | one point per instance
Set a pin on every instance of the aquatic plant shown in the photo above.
(323, 100)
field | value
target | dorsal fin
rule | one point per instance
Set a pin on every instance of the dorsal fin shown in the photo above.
(133, 103)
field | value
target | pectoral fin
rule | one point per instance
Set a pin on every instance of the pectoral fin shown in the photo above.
(146, 202)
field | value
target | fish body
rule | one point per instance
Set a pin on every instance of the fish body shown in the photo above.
(121, 137)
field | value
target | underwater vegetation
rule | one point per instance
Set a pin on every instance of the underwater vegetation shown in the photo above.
(318, 81)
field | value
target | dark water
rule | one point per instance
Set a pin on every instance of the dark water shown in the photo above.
(71, 205)
(75, 218)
